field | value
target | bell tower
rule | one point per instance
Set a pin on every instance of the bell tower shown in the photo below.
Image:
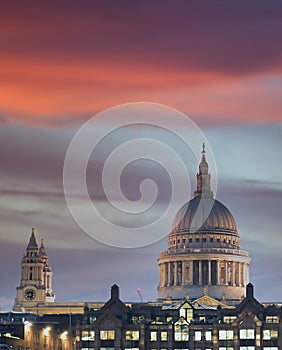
(36, 277)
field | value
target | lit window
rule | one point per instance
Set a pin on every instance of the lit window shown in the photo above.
(270, 334)
(189, 314)
(92, 319)
(132, 335)
(225, 335)
(186, 312)
(270, 348)
(272, 319)
(198, 335)
(153, 336)
(107, 335)
(181, 330)
(182, 313)
(247, 334)
(163, 336)
(208, 335)
(247, 348)
(226, 348)
(87, 335)
(228, 319)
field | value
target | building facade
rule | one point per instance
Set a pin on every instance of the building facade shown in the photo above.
(202, 324)
(203, 249)
(36, 277)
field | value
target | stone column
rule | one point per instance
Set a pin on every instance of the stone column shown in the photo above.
(209, 272)
(248, 273)
(200, 272)
(226, 273)
(218, 271)
(175, 273)
(168, 273)
(239, 274)
(233, 273)
(163, 275)
(183, 273)
(243, 274)
(190, 272)
(160, 275)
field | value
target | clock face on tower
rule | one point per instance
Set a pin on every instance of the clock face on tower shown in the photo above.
(29, 294)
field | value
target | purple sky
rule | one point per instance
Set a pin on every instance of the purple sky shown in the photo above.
(220, 63)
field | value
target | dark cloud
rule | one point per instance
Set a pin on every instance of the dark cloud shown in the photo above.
(231, 38)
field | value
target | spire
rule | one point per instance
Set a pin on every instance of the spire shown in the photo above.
(203, 177)
(204, 152)
(32, 241)
(42, 250)
(203, 167)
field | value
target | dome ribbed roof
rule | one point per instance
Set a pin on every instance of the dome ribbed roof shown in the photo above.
(204, 214)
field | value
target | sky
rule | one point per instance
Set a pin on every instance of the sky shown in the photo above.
(220, 63)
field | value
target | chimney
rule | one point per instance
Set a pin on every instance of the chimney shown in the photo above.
(250, 290)
(114, 292)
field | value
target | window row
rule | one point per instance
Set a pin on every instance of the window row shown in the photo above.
(181, 333)
(204, 240)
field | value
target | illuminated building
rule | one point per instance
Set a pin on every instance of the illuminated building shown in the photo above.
(203, 249)
(205, 300)
(36, 276)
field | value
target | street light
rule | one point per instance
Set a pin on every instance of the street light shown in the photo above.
(64, 335)
(46, 331)
(27, 326)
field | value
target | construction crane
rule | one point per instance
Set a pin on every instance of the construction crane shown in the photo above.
(140, 295)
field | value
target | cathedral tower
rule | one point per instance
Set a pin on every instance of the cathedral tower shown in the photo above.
(203, 255)
(36, 277)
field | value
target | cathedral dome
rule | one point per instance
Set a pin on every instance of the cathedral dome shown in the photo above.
(204, 214)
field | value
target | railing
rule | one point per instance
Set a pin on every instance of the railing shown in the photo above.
(204, 251)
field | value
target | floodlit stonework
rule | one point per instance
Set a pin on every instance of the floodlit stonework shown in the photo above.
(205, 298)
(203, 255)
(36, 277)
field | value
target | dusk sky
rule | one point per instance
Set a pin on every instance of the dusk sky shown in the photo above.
(61, 63)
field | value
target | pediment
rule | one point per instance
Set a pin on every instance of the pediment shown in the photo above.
(186, 305)
(211, 302)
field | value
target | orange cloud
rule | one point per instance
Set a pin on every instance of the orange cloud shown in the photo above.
(60, 64)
